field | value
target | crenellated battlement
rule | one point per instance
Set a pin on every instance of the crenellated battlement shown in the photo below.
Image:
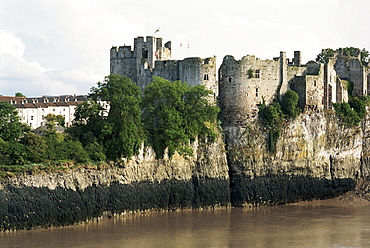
(152, 57)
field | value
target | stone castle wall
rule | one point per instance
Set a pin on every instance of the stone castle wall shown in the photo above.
(244, 84)
(151, 58)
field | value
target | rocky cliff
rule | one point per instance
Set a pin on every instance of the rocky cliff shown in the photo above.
(139, 184)
(315, 158)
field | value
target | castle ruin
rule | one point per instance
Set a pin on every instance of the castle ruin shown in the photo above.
(245, 84)
(151, 57)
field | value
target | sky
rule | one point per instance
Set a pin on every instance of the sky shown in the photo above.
(57, 47)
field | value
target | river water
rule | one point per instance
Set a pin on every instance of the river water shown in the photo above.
(281, 226)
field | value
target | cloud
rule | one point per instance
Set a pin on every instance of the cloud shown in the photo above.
(10, 44)
(64, 45)
(17, 75)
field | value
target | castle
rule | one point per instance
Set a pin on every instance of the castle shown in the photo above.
(151, 57)
(244, 84)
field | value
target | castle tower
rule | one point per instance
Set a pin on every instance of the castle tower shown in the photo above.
(351, 69)
(297, 58)
(283, 73)
(137, 63)
(150, 57)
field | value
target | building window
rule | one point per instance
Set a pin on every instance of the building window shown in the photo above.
(230, 79)
(314, 83)
(257, 74)
(32, 118)
(145, 52)
(54, 110)
(206, 77)
(256, 91)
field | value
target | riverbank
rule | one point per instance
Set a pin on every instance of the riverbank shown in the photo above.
(359, 197)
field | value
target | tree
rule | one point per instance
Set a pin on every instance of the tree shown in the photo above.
(11, 129)
(289, 104)
(328, 52)
(359, 105)
(35, 147)
(346, 115)
(175, 114)
(365, 57)
(88, 123)
(121, 131)
(325, 54)
(19, 94)
(272, 118)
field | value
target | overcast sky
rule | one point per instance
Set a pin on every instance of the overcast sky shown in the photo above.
(62, 46)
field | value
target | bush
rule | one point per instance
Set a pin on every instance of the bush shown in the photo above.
(346, 115)
(12, 152)
(289, 104)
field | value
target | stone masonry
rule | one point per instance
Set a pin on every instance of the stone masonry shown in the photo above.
(151, 57)
(245, 84)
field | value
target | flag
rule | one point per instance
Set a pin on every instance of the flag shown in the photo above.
(157, 30)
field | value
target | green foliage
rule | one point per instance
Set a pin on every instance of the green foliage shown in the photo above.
(12, 152)
(359, 105)
(88, 123)
(65, 150)
(120, 132)
(19, 94)
(123, 131)
(272, 118)
(95, 151)
(275, 115)
(352, 112)
(328, 52)
(250, 73)
(365, 57)
(289, 104)
(325, 54)
(11, 129)
(349, 86)
(53, 120)
(346, 115)
(35, 147)
(175, 114)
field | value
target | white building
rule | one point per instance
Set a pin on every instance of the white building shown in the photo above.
(33, 110)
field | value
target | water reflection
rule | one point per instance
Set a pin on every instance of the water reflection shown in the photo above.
(282, 226)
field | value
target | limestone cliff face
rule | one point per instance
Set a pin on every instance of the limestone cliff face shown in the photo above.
(139, 184)
(315, 157)
(209, 161)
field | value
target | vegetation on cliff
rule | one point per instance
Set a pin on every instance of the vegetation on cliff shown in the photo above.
(175, 114)
(353, 112)
(276, 114)
(112, 124)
